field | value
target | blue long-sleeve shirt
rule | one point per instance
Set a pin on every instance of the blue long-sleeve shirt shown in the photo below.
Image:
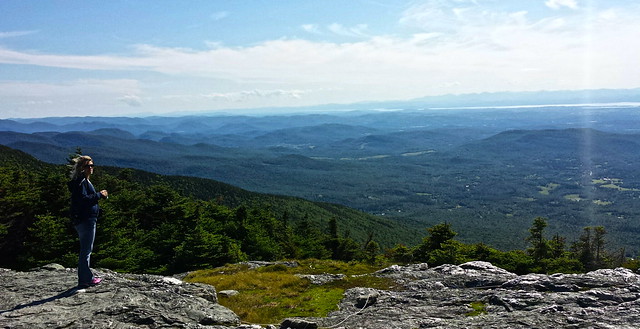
(84, 199)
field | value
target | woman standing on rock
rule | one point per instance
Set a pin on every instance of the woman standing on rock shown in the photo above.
(84, 214)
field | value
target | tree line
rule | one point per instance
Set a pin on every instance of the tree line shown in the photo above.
(543, 255)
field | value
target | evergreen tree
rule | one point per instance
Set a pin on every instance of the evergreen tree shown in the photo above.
(539, 249)
(440, 234)
(50, 240)
(437, 247)
(583, 249)
(333, 240)
(590, 248)
(400, 254)
(557, 246)
(309, 240)
(599, 246)
(371, 250)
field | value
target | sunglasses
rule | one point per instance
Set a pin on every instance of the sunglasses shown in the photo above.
(89, 166)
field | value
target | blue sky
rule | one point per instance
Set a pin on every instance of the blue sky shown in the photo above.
(104, 58)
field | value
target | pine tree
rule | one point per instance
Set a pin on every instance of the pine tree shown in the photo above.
(539, 245)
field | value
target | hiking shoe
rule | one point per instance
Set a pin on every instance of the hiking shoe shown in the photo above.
(95, 281)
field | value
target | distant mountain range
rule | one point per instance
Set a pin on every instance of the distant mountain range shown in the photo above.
(558, 97)
(488, 172)
(487, 99)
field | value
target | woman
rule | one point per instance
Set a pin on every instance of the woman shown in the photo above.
(84, 214)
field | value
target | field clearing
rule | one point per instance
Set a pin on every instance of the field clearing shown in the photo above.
(546, 190)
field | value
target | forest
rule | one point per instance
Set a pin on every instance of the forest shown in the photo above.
(151, 226)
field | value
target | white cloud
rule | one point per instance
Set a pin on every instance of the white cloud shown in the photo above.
(103, 62)
(311, 28)
(13, 34)
(508, 39)
(214, 44)
(557, 4)
(40, 102)
(354, 31)
(69, 88)
(132, 100)
(219, 15)
(77, 97)
(247, 94)
(357, 31)
(431, 16)
(453, 17)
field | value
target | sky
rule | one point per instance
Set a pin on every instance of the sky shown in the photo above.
(152, 57)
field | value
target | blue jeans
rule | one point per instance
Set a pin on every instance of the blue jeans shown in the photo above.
(87, 233)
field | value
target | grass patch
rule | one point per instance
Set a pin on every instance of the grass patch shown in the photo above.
(619, 188)
(479, 308)
(270, 294)
(612, 183)
(606, 181)
(546, 190)
(573, 197)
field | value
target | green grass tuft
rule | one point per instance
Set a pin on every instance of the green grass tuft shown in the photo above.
(479, 308)
(270, 294)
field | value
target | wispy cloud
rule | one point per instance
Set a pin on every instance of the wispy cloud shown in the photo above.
(131, 100)
(354, 31)
(311, 28)
(557, 4)
(357, 31)
(256, 93)
(100, 62)
(455, 17)
(219, 15)
(74, 87)
(73, 97)
(13, 34)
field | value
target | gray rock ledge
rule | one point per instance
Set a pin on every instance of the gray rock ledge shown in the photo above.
(44, 298)
(441, 297)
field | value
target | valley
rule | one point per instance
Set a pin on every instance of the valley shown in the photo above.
(487, 172)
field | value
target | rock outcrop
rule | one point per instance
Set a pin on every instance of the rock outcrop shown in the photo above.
(480, 295)
(46, 298)
(471, 295)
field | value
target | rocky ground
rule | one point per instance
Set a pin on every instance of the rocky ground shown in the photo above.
(471, 295)
(45, 298)
(442, 297)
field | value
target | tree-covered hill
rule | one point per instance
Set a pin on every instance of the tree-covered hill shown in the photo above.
(359, 224)
(169, 223)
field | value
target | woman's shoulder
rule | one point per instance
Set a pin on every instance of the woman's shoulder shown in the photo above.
(75, 182)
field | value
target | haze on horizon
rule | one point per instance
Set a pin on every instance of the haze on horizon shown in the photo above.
(108, 58)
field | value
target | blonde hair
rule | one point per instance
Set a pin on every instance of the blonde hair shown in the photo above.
(77, 168)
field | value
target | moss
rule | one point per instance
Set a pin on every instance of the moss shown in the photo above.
(479, 308)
